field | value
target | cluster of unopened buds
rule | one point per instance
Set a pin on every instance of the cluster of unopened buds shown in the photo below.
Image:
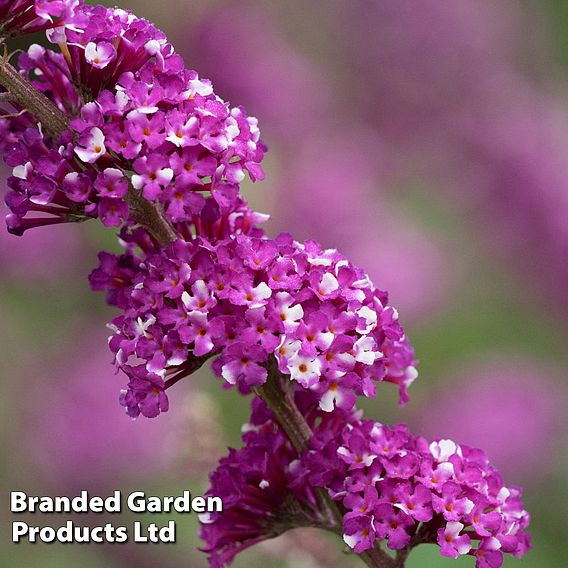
(113, 126)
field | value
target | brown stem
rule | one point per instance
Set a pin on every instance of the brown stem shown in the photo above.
(426, 533)
(376, 557)
(151, 216)
(54, 122)
(281, 402)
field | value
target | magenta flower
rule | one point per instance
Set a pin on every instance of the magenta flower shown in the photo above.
(263, 329)
(151, 176)
(99, 55)
(122, 142)
(145, 396)
(91, 145)
(201, 297)
(182, 131)
(113, 212)
(201, 332)
(485, 524)
(111, 183)
(337, 390)
(245, 294)
(243, 366)
(304, 369)
(357, 455)
(146, 129)
(77, 187)
(416, 504)
(288, 310)
(391, 525)
(449, 505)
(192, 166)
(197, 86)
(258, 255)
(359, 532)
(18, 17)
(488, 554)
(451, 543)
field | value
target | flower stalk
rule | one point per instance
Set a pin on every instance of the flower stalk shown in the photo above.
(151, 217)
(280, 401)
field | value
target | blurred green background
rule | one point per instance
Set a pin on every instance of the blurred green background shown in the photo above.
(429, 142)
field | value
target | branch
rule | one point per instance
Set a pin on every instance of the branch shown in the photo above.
(24, 94)
(151, 216)
(280, 401)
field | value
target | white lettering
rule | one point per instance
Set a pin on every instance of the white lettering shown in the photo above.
(18, 529)
(18, 502)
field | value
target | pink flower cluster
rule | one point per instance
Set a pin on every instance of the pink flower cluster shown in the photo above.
(389, 485)
(390, 482)
(140, 120)
(156, 130)
(252, 300)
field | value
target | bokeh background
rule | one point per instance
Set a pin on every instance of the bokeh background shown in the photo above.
(428, 141)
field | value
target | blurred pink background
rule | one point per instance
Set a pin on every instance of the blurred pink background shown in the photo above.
(428, 141)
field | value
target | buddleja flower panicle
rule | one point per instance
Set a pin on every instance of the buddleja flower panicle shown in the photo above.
(248, 299)
(390, 485)
(137, 118)
(393, 481)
